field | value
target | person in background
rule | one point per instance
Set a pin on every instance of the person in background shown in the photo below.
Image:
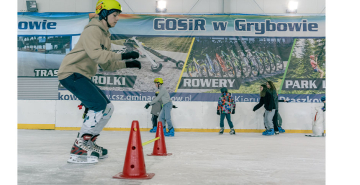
(226, 107)
(276, 121)
(267, 100)
(165, 114)
(155, 111)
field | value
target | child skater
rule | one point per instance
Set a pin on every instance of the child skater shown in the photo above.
(155, 111)
(226, 105)
(165, 113)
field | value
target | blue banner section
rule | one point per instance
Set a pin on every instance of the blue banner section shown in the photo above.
(52, 14)
(208, 97)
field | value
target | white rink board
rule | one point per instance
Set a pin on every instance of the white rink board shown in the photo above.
(196, 115)
(68, 114)
(127, 111)
(36, 112)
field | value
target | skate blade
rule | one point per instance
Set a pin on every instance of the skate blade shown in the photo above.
(314, 136)
(104, 157)
(76, 159)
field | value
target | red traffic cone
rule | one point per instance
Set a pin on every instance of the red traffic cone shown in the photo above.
(134, 165)
(159, 145)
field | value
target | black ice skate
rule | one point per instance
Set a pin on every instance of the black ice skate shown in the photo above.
(221, 130)
(232, 132)
(100, 150)
(82, 152)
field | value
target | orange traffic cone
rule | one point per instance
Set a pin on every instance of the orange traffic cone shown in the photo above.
(159, 145)
(134, 165)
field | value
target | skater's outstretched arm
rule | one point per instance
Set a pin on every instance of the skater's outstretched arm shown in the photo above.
(116, 65)
(260, 104)
(159, 102)
(161, 93)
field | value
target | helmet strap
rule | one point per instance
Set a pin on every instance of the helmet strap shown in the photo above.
(159, 84)
(106, 19)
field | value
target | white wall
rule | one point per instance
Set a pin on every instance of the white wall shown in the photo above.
(184, 6)
(193, 115)
(36, 112)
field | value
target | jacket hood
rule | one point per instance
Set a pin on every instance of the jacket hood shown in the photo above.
(94, 21)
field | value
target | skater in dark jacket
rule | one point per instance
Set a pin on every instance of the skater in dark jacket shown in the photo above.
(267, 100)
(277, 121)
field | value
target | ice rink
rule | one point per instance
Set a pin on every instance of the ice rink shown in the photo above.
(198, 158)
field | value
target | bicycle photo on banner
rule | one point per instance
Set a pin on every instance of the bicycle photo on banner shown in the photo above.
(235, 63)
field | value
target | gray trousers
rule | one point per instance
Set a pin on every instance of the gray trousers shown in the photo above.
(165, 115)
(268, 119)
(96, 121)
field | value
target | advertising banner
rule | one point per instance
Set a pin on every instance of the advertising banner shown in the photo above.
(196, 55)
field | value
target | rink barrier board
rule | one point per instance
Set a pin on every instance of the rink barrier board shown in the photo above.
(44, 114)
(37, 126)
(52, 127)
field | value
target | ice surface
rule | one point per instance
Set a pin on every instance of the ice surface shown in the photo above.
(198, 158)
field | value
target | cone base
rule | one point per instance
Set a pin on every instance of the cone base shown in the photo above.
(167, 154)
(122, 176)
